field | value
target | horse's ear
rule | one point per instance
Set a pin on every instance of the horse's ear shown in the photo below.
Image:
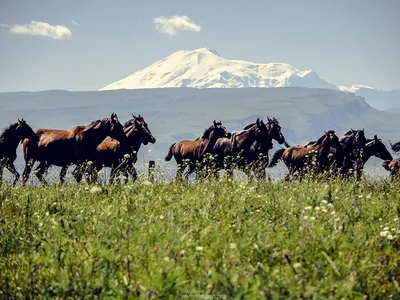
(258, 122)
(133, 116)
(375, 137)
(215, 123)
(114, 117)
(19, 122)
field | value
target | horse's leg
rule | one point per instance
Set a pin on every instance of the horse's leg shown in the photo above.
(10, 166)
(1, 172)
(40, 170)
(133, 172)
(77, 173)
(27, 171)
(63, 172)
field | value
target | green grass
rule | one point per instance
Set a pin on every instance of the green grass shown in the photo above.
(216, 239)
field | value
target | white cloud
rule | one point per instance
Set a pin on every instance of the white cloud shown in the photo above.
(172, 25)
(75, 23)
(57, 32)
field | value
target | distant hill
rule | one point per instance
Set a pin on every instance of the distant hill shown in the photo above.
(183, 113)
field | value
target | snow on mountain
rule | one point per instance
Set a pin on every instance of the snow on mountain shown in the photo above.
(354, 88)
(205, 68)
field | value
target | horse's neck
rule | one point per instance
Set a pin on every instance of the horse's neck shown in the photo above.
(323, 149)
(368, 152)
(208, 144)
(134, 141)
(246, 138)
(93, 136)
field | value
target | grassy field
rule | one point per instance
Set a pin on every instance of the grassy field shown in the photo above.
(219, 240)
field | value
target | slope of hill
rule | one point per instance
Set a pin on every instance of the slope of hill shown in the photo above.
(204, 68)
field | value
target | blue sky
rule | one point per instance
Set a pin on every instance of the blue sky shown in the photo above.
(345, 42)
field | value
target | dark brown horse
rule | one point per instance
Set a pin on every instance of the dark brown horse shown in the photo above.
(257, 158)
(243, 148)
(66, 147)
(191, 153)
(349, 158)
(299, 159)
(9, 140)
(122, 160)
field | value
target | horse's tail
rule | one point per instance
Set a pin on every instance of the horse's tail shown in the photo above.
(169, 154)
(276, 157)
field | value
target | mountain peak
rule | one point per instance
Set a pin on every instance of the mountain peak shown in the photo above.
(205, 68)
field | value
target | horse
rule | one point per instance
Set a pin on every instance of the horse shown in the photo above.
(297, 158)
(395, 147)
(191, 153)
(66, 147)
(350, 156)
(257, 159)
(109, 152)
(393, 166)
(243, 148)
(9, 140)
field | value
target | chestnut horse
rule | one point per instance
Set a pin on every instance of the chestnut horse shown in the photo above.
(191, 153)
(9, 140)
(122, 160)
(66, 147)
(298, 158)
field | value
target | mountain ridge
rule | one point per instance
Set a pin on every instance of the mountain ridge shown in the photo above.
(205, 68)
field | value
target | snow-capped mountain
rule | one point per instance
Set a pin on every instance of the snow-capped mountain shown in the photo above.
(205, 68)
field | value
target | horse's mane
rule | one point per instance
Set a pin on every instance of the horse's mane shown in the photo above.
(8, 130)
(249, 126)
(129, 123)
(96, 122)
(273, 120)
(206, 132)
(321, 139)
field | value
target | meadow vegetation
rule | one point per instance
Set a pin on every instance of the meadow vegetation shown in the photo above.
(216, 239)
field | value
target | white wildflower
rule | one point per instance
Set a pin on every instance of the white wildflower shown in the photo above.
(324, 202)
(296, 265)
(232, 246)
(199, 248)
(390, 237)
(307, 208)
(383, 233)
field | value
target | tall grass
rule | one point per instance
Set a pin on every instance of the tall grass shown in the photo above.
(221, 238)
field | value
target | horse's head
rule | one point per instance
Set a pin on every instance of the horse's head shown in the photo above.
(332, 139)
(25, 131)
(274, 130)
(379, 149)
(261, 131)
(358, 138)
(142, 129)
(115, 129)
(219, 131)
